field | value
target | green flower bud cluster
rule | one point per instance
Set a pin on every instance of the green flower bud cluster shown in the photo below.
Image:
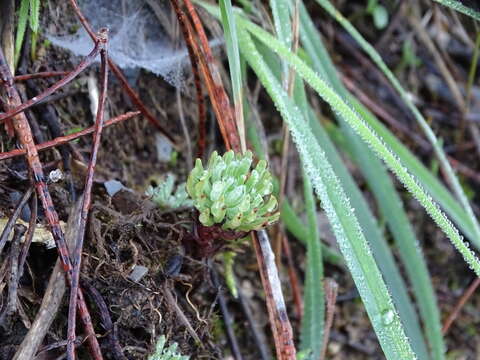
(165, 197)
(232, 195)
(163, 352)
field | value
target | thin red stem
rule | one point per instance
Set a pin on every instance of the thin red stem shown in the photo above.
(196, 56)
(49, 91)
(331, 291)
(461, 303)
(70, 137)
(277, 312)
(220, 95)
(293, 276)
(24, 135)
(40, 75)
(87, 200)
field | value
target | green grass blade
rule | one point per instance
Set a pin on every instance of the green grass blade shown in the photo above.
(366, 219)
(311, 336)
(298, 229)
(458, 6)
(385, 193)
(390, 206)
(370, 137)
(438, 191)
(429, 181)
(352, 242)
(233, 54)
(291, 221)
(34, 15)
(439, 153)
(380, 249)
(21, 27)
(283, 30)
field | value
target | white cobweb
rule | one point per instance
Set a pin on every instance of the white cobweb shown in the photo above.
(136, 38)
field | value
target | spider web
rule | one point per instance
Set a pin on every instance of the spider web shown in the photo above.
(136, 38)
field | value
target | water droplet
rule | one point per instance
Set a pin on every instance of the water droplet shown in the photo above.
(387, 317)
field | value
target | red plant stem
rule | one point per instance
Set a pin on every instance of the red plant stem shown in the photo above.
(119, 75)
(220, 94)
(49, 91)
(70, 137)
(24, 134)
(277, 312)
(44, 74)
(331, 291)
(200, 58)
(87, 200)
(458, 307)
(138, 102)
(293, 276)
(202, 111)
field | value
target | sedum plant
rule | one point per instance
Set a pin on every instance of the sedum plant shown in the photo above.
(165, 197)
(169, 353)
(230, 194)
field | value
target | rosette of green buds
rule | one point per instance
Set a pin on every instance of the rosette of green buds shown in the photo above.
(229, 193)
(166, 196)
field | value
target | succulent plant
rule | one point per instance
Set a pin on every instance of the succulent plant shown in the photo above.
(165, 197)
(228, 193)
(169, 353)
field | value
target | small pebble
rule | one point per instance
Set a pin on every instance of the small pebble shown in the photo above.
(113, 186)
(138, 273)
(55, 175)
(164, 148)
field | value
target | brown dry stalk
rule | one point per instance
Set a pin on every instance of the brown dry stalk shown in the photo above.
(220, 97)
(70, 137)
(77, 255)
(198, 57)
(14, 110)
(460, 304)
(277, 312)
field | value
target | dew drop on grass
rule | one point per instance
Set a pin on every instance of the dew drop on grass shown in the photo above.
(387, 317)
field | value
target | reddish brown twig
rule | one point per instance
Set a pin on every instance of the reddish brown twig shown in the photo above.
(197, 57)
(67, 138)
(119, 75)
(52, 298)
(14, 108)
(219, 99)
(293, 276)
(77, 255)
(44, 74)
(460, 304)
(331, 291)
(20, 107)
(194, 61)
(277, 312)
